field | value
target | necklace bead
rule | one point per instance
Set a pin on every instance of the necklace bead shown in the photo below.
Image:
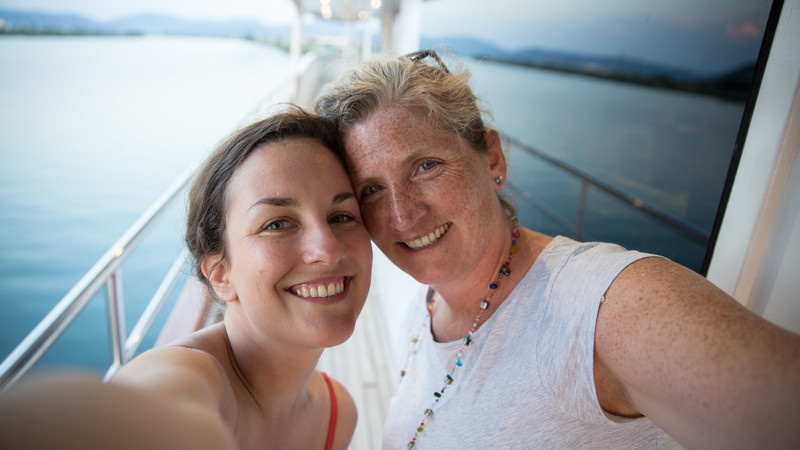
(504, 271)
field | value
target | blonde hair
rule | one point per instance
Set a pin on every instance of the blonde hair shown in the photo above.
(443, 98)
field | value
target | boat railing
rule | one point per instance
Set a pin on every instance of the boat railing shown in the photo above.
(574, 227)
(106, 272)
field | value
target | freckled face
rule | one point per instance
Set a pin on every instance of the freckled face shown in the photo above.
(299, 255)
(428, 200)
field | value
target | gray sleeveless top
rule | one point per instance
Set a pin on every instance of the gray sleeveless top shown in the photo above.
(527, 378)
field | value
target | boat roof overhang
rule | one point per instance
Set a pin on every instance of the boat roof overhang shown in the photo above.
(349, 10)
(400, 20)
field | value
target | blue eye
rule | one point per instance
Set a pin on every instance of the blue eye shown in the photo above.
(341, 218)
(426, 166)
(277, 225)
(371, 189)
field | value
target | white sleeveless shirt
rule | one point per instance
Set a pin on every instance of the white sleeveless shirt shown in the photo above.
(527, 378)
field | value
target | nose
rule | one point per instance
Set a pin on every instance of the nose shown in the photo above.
(405, 209)
(322, 245)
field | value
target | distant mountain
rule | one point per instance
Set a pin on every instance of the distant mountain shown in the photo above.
(600, 64)
(33, 22)
(557, 59)
(734, 84)
(159, 24)
(737, 78)
(28, 20)
(462, 45)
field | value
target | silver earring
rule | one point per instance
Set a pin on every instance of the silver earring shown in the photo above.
(498, 180)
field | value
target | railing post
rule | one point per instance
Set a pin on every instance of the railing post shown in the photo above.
(116, 318)
(154, 306)
(581, 210)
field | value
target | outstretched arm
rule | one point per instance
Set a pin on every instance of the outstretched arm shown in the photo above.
(672, 346)
(72, 410)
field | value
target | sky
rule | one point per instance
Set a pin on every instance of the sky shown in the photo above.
(704, 35)
(267, 11)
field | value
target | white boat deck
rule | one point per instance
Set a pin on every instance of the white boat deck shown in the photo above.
(364, 364)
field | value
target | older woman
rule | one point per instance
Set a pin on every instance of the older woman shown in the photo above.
(529, 341)
(276, 233)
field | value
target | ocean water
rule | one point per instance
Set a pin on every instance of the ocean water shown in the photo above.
(668, 148)
(92, 131)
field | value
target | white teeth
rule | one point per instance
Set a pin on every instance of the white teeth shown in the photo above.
(329, 290)
(428, 239)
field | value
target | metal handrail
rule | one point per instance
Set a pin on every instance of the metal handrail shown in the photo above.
(690, 231)
(105, 272)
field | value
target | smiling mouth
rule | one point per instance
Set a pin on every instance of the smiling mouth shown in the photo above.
(317, 290)
(429, 239)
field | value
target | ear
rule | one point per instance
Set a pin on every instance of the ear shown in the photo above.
(217, 272)
(495, 157)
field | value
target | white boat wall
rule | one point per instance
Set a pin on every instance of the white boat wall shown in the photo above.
(756, 258)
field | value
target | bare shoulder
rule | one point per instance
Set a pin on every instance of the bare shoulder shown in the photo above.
(182, 374)
(692, 359)
(163, 361)
(655, 298)
(656, 304)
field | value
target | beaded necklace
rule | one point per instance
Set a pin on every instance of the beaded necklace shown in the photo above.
(504, 271)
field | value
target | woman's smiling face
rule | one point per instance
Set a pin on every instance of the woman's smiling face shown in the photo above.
(299, 257)
(427, 198)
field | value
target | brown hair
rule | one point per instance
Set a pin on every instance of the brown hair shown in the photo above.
(442, 98)
(208, 196)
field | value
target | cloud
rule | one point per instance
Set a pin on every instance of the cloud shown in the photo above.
(747, 30)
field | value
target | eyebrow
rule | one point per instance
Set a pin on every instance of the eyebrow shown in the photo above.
(288, 201)
(342, 197)
(275, 201)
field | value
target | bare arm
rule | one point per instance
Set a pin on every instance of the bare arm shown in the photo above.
(173, 409)
(672, 346)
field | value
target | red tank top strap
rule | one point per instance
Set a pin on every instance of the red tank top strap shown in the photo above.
(334, 412)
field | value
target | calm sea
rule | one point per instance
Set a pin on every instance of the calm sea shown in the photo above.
(92, 130)
(668, 148)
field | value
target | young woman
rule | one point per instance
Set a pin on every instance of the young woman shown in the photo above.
(276, 233)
